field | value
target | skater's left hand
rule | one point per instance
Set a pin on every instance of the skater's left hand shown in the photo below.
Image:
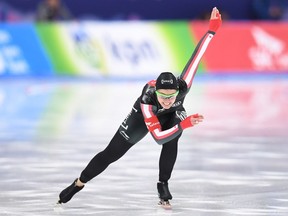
(196, 118)
(191, 121)
(215, 20)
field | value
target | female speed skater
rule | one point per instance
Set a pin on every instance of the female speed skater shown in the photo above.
(159, 110)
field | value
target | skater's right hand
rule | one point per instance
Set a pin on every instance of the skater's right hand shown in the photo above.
(191, 121)
(215, 20)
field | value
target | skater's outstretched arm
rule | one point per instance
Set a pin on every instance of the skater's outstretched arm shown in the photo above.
(190, 69)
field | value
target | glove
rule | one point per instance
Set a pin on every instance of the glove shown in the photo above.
(191, 121)
(215, 20)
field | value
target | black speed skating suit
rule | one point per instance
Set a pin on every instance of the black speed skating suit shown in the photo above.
(147, 112)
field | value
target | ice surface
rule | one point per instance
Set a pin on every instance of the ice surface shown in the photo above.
(234, 163)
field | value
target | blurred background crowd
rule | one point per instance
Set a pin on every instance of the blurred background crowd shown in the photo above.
(50, 10)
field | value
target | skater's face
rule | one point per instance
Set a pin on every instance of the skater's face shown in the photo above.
(166, 97)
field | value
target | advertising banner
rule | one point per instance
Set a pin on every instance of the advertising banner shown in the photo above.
(117, 49)
(247, 47)
(21, 52)
(138, 50)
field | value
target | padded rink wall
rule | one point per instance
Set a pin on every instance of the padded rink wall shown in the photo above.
(139, 49)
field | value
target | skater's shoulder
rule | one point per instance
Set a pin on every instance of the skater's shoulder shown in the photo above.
(149, 97)
(148, 93)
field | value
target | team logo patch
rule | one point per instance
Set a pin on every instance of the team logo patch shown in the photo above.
(177, 104)
(167, 81)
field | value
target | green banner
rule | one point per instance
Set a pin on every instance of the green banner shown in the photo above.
(53, 42)
(179, 39)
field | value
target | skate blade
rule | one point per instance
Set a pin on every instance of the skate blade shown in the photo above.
(58, 207)
(165, 204)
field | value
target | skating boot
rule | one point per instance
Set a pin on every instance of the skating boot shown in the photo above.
(69, 192)
(164, 194)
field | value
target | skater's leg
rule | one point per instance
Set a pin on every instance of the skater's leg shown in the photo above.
(117, 147)
(166, 163)
(131, 131)
(167, 159)
(170, 149)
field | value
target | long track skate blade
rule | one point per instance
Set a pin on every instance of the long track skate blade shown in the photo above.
(58, 207)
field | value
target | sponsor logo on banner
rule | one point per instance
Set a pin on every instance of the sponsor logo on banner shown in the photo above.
(21, 52)
(129, 54)
(269, 52)
(114, 48)
(246, 47)
(132, 52)
(11, 56)
(119, 49)
(88, 49)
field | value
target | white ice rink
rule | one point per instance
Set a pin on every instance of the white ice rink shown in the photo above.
(234, 163)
